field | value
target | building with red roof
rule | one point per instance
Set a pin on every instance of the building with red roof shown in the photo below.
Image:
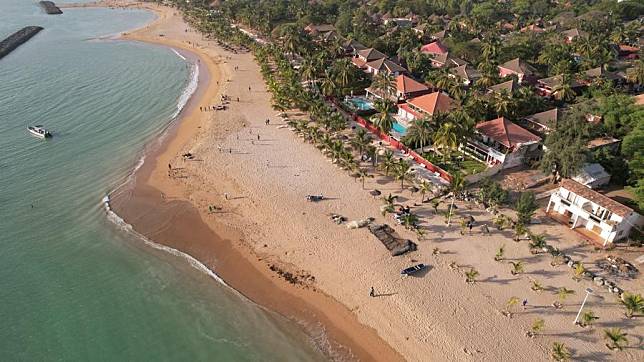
(425, 105)
(500, 141)
(406, 88)
(434, 48)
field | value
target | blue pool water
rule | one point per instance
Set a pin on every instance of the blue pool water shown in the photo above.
(399, 128)
(360, 103)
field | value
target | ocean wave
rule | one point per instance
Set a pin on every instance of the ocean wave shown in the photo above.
(190, 89)
(123, 225)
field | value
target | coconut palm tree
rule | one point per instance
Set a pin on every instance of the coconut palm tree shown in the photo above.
(491, 48)
(519, 231)
(343, 72)
(616, 338)
(536, 286)
(560, 352)
(500, 252)
(360, 140)
(637, 75)
(383, 119)
(423, 188)
(537, 242)
(456, 186)
(633, 304)
(513, 301)
(517, 267)
(562, 294)
(363, 174)
(401, 172)
(537, 326)
(386, 83)
(420, 132)
(446, 139)
(587, 318)
(470, 276)
(388, 162)
(563, 91)
(409, 220)
(578, 272)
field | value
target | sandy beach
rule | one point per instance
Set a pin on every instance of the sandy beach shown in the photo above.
(266, 241)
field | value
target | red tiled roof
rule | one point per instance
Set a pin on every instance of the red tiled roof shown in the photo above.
(358, 62)
(518, 66)
(434, 48)
(409, 110)
(506, 133)
(405, 84)
(594, 196)
(432, 103)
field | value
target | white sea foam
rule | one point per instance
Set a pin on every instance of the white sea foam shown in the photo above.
(178, 54)
(190, 89)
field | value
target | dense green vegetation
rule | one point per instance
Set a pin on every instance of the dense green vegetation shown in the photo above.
(483, 33)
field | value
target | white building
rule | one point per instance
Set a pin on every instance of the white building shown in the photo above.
(584, 208)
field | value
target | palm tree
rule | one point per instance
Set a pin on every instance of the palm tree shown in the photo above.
(491, 48)
(536, 286)
(456, 186)
(409, 220)
(616, 338)
(587, 318)
(400, 172)
(519, 231)
(383, 119)
(388, 162)
(537, 326)
(386, 83)
(360, 140)
(435, 204)
(637, 75)
(563, 90)
(424, 187)
(633, 304)
(509, 305)
(560, 352)
(328, 84)
(578, 272)
(470, 276)
(562, 294)
(363, 174)
(446, 139)
(503, 104)
(419, 133)
(499, 253)
(538, 242)
(517, 267)
(343, 72)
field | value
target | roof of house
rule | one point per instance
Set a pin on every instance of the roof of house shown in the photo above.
(508, 87)
(354, 45)
(552, 82)
(435, 47)
(440, 35)
(533, 28)
(602, 141)
(384, 64)
(518, 66)
(639, 99)
(590, 173)
(405, 84)
(319, 28)
(448, 60)
(371, 54)
(506, 133)
(573, 33)
(547, 119)
(432, 103)
(601, 72)
(595, 197)
(465, 72)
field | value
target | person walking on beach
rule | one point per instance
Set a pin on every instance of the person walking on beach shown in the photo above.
(268, 121)
(258, 137)
(249, 88)
(372, 292)
(525, 303)
(226, 195)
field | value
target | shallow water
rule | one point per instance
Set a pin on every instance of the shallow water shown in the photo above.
(74, 286)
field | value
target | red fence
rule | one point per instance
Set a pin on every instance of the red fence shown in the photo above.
(398, 145)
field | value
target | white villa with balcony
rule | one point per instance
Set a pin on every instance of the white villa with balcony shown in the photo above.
(581, 207)
(502, 142)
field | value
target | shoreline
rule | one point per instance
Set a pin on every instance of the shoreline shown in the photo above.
(150, 192)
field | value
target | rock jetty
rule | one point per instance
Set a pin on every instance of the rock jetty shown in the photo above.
(18, 38)
(50, 8)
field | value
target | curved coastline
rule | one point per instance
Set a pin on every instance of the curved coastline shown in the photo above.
(333, 328)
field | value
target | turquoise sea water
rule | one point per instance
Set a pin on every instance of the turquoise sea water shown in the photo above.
(73, 286)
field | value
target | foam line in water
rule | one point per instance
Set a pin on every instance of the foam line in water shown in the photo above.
(189, 91)
(178, 54)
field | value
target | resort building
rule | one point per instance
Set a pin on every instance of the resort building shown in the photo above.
(434, 48)
(592, 175)
(547, 86)
(384, 65)
(508, 87)
(423, 106)
(466, 74)
(365, 56)
(501, 142)
(319, 30)
(447, 61)
(541, 123)
(612, 144)
(582, 208)
(352, 47)
(406, 88)
(521, 69)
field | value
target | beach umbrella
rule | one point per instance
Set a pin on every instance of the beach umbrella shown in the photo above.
(375, 193)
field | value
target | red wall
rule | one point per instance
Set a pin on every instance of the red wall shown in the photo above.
(398, 145)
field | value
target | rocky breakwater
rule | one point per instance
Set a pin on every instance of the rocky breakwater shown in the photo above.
(18, 38)
(50, 8)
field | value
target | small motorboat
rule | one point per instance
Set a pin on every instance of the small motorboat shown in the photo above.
(413, 269)
(39, 132)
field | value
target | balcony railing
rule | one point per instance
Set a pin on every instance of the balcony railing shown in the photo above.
(487, 149)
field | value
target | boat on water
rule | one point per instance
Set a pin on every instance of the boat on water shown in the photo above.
(39, 131)
(413, 269)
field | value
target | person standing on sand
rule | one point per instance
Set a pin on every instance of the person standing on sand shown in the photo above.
(258, 137)
(226, 195)
(372, 292)
(249, 88)
(525, 303)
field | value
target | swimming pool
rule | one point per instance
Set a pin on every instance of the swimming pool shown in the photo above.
(399, 128)
(360, 103)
